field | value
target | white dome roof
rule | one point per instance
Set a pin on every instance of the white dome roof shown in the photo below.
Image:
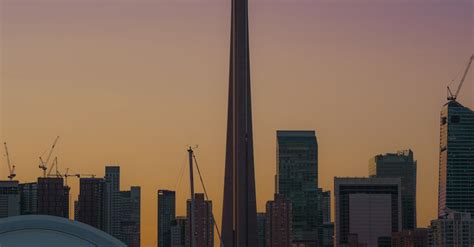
(51, 231)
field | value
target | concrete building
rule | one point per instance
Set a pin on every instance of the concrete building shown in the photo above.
(410, 238)
(53, 197)
(261, 222)
(452, 229)
(401, 165)
(279, 222)
(112, 215)
(456, 159)
(297, 180)
(129, 212)
(368, 210)
(28, 198)
(91, 204)
(178, 232)
(166, 216)
(203, 222)
(9, 199)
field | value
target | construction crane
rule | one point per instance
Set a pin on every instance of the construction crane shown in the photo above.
(453, 97)
(11, 168)
(44, 164)
(56, 166)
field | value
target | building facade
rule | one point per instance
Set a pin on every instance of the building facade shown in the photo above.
(456, 159)
(410, 238)
(451, 229)
(261, 222)
(203, 222)
(129, 203)
(28, 198)
(91, 204)
(9, 199)
(297, 180)
(178, 232)
(52, 197)
(368, 210)
(112, 189)
(402, 165)
(166, 216)
(278, 230)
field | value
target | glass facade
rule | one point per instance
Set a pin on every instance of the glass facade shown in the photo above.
(456, 159)
(166, 216)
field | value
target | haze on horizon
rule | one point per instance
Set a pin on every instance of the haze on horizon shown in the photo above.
(134, 84)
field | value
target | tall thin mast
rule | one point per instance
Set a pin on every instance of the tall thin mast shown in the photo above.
(191, 220)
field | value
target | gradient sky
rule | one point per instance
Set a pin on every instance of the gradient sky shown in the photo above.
(134, 82)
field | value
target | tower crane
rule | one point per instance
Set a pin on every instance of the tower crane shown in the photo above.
(44, 164)
(453, 97)
(11, 168)
(55, 165)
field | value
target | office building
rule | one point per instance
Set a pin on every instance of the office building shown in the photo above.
(410, 238)
(297, 180)
(91, 204)
(166, 216)
(278, 222)
(9, 199)
(178, 232)
(203, 222)
(52, 197)
(451, 229)
(402, 165)
(261, 227)
(28, 198)
(112, 216)
(129, 212)
(368, 210)
(328, 235)
(456, 159)
(239, 211)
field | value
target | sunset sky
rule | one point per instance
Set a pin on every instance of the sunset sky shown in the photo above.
(133, 82)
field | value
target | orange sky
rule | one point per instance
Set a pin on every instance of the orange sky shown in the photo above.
(135, 82)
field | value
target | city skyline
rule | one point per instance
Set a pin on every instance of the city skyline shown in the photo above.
(98, 124)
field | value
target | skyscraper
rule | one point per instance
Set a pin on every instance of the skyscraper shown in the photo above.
(203, 222)
(9, 199)
(368, 210)
(53, 197)
(178, 232)
(262, 225)
(278, 222)
(297, 180)
(402, 165)
(456, 159)
(129, 216)
(112, 184)
(166, 216)
(91, 203)
(239, 214)
(28, 198)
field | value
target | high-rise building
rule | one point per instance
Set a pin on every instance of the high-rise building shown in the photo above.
(9, 199)
(166, 216)
(456, 159)
(261, 222)
(239, 213)
(410, 238)
(451, 229)
(203, 222)
(297, 180)
(402, 165)
(178, 232)
(328, 226)
(278, 222)
(28, 198)
(53, 197)
(91, 203)
(129, 213)
(112, 189)
(368, 210)
(326, 206)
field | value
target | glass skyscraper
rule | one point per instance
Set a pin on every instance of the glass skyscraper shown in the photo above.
(166, 216)
(297, 180)
(402, 165)
(456, 159)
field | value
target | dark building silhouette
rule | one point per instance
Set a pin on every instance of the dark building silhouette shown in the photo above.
(178, 232)
(203, 222)
(129, 216)
(53, 197)
(239, 214)
(166, 216)
(297, 180)
(112, 215)
(410, 238)
(278, 222)
(28, 198)
(402, 165)
(261, 222)
(456, 159)
(9, 198)
(91, 203)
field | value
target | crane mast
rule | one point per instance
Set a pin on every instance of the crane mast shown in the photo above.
(11, 168)
(453, 97)
(44, 164)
